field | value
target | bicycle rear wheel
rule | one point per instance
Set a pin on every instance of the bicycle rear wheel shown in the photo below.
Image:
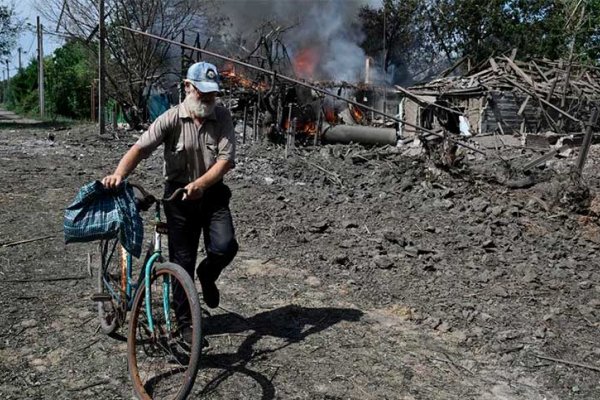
(162, 362)
(111, 313)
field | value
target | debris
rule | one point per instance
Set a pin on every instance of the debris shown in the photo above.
(319, 227)
(349, 224)
(383, 262)
(28, 323)
(88, 386)
(10, 244)
(313, 281)
(567, 362)
(48, 279)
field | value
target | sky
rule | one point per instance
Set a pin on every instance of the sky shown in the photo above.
(27, 41)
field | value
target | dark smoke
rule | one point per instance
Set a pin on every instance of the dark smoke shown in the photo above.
(329, 30)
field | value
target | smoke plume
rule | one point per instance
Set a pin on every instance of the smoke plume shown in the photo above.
(324, 43)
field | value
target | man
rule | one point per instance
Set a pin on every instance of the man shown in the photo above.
(199, 149)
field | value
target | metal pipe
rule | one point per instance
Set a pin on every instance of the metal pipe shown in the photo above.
(359, 134)
(301, 83)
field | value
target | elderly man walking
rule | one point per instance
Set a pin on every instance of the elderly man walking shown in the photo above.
(199, 149)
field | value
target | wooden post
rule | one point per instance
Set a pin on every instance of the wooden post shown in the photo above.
(102, 69)
(183, 74)
(587, 141)
(114, 121)
(197, 44)
(93, 101)
(40, 42)
(245, 122)
(288, 131)
(293, 133)
(255, 122)
(319, 126)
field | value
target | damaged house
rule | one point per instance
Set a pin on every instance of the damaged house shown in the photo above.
(524, 99)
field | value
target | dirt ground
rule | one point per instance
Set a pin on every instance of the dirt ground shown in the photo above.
(362, 274)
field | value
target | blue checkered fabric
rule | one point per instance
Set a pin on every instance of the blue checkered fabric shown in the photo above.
(99, 213)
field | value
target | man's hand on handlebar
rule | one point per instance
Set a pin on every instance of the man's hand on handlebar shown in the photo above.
(193, 191)
(112, 181)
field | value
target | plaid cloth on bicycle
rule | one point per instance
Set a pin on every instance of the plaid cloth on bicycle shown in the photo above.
(100, 213)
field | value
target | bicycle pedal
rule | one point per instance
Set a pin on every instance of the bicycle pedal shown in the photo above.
(162, 228)
(101, 297)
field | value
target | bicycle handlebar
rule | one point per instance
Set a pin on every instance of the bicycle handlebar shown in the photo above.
(177, 193)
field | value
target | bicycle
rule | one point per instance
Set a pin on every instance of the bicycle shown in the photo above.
(163, 339)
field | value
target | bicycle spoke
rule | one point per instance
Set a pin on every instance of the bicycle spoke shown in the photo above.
(162, 356)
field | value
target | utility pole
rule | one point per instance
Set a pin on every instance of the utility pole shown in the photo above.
(383, 61)
(102, 69)
(40, 38)
(7, 77)
(20, 51)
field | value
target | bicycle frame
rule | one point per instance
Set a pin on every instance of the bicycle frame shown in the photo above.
(132, 287)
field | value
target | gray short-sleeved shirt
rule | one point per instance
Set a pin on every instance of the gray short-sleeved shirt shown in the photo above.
(189, 150)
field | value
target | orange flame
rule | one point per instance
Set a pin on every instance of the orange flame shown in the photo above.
(307, 127)
(356, 113)
(330, 115)
(228, 73)
(305, 62)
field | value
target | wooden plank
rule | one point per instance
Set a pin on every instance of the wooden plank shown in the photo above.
(519, 71)
(544, 158)
(587, 141)
(522, 108)
(518, 86)
(494, 65)
(423, 102)
(482, 73)
(539, 70)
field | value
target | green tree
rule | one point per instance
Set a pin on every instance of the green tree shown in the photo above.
(69, 77)
(395, 34)
(23, 94)
(537, 28)
(10, 26)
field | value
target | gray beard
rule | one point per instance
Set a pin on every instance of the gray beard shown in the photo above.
(199, 108)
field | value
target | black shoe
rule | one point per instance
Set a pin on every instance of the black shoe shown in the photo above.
(187, 334)
(210, 293)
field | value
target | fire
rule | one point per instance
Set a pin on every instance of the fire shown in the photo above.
(330, 115)
(356, 112)
(228, 73)
(305, 62)
(307, 127)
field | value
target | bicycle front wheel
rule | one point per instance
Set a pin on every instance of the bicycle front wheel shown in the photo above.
(110, 281)
(163, 354)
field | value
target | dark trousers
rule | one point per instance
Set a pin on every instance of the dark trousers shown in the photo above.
(187, 221)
